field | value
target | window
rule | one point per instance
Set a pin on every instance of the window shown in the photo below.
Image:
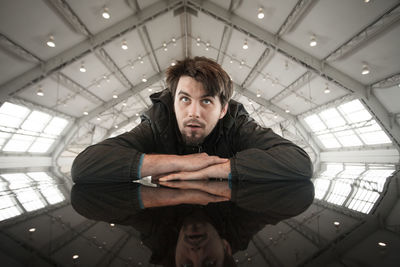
(25, 192)
(25, 130)
(348, 125)
(354, 186)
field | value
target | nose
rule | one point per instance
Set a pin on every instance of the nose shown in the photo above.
(194, 110)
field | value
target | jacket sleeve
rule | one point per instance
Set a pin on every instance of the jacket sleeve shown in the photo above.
(262, 154)
(115, 159)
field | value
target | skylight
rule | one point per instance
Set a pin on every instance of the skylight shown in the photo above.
(25, 130)
(348, 125)
(354, 186)
(25, 192)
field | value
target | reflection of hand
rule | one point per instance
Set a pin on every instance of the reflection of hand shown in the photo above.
(212, 187)
(159, 197)
(190, 196)
(221, 170)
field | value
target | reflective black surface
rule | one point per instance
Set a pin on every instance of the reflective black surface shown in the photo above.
(194, 223)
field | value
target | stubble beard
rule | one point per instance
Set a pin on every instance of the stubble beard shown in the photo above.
(191, 139)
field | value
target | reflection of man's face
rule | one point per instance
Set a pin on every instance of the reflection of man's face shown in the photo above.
(199, 245)
(196, 112)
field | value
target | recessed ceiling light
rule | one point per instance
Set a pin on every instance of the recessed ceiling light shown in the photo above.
(275, 116)
(366, 1)
(258, 93)
(313, 40)
(76, 256)
(382, 244)
(150, 90)
(245, 44)
(173, 63)
(144, 78)
(165, 46)
(116, 126)
(365, 69)
(207, 46)
(124, 45)
(39, 91)
(137, 114)
(105, 13)
(287, 110)
(115, 96)
(98, 118)
(198, 39)
(124, 103)
(82, 68)
(112, 225)
(231, 61)
(85, 113)
(31, 230)
(260, 14)
(50, 42)
(173, 39)
(336, 223)
(140, 59)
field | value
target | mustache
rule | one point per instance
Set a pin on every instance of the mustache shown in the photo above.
(195, 122)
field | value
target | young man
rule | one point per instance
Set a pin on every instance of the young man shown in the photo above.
(194, 131)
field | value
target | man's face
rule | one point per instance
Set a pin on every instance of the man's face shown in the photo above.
(196, 112)
(199, 245)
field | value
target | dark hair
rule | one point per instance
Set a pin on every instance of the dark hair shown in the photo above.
(215, 80)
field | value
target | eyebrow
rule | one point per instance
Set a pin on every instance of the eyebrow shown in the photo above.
(181, 92)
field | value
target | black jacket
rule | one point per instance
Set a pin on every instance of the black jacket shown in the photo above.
(255, 152)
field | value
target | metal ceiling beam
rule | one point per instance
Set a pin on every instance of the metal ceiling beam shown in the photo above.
(294, 86)
(67, 138)
(261, 62)
(75, 87)
(267, 104)
(307, 232)
(148, 46)
(35, 253)
(320, 67)
(69, 16)
(17, 50)
(68, 236)
(295, 16)
(114, 251)
(79, 50)
(265, 252)
(393, 80)
(223, 45)
(379, 26)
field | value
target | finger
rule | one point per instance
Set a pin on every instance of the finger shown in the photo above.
(218, 160)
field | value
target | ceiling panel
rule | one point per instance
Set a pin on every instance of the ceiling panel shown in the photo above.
(90, 13)
(12, 65)
(381, 54)
(332, 29)
(33, 30)
(275, 13)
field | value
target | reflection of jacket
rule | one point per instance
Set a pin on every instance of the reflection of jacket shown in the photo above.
(255, 152)
(251, 208)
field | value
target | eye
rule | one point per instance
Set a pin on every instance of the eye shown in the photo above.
(207, 101)
(184, 99)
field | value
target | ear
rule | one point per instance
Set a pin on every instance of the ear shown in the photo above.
(227, 247)
(223, 111)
